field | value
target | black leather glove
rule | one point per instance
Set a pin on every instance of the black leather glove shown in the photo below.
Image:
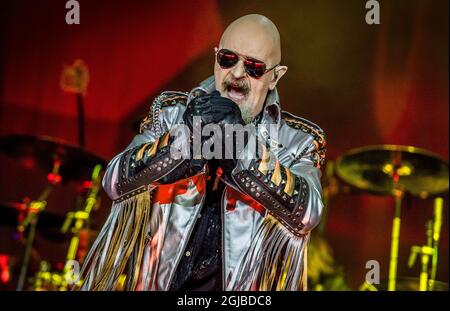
(212, 108)
(231, 115)
(199, 106)
(225, 109)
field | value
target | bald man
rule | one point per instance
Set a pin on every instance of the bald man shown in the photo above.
(257, 38)
(237, 220)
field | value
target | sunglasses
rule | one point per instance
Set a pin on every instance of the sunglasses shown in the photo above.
(253, 67)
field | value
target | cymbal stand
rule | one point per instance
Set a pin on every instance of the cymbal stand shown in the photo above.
(31, 220)
(430, 250)
(395, 239)
(437, 224)
(43, 276)
(398, 193)
(78, 220)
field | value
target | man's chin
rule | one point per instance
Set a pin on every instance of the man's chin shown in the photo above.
(246, 114)
(241, 101)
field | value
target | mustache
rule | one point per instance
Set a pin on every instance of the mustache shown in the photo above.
(238, 84)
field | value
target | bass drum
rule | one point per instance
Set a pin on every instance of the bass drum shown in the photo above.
(411, 284)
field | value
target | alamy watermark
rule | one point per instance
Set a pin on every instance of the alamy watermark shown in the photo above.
(373, 13)
(373, 275)
(72, 272)
(225, 141)
(73, 12)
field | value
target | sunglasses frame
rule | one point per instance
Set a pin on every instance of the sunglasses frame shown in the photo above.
(244, 58)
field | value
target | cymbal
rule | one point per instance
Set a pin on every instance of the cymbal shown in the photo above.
(31, 152)
(49, 224)
(10, 210)
(383, 169)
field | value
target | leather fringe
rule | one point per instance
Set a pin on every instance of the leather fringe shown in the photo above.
(274, 261)
(119, 246)
(150, 263)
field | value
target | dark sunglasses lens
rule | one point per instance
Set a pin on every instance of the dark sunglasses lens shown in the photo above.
(227, 59)
(255, 69)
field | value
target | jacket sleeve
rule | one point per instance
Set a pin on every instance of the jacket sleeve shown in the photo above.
(148, 158)
(293, 195)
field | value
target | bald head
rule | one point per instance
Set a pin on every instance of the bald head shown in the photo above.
(257, 30)
(250, 36)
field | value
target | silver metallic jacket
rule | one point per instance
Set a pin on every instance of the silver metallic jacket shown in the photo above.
(267, 210)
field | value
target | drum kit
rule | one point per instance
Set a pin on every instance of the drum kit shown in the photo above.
(64, 163)
(397, 171)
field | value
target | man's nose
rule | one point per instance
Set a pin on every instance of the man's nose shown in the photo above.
(238, 70)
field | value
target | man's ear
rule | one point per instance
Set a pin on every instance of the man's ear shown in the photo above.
(278, 72)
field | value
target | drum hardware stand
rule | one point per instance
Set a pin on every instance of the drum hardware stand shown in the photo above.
(43, 276)
(395, 170)
(430, 250)
(31, 220)
(78, 220)
(437, 224)
(395, 238)
(366, 286)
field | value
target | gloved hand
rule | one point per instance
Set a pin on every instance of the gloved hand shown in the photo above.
(232, 115)
(212, 108)
(227, 110)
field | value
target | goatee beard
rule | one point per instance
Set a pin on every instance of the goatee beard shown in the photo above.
(246, 114)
